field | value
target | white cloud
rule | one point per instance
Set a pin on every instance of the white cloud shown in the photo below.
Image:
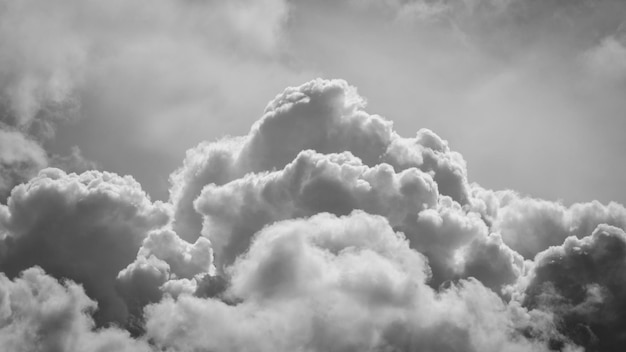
(347, 283)
(324, 115)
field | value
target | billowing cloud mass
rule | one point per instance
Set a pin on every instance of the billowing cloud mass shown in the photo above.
(341, 283)
(84, 228)
(325, 227)
(326, 116)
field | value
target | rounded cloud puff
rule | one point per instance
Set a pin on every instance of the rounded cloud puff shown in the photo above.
(83, 227)
(323, 115)
(341, 283)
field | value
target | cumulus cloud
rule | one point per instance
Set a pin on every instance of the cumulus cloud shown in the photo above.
(83, 227)
(531, 225)
(299, 160)
(581, 282)
(324, 115)
(22, 157)
(302, 280)
(165, 264)
(38, 313)
(340, 183)
(321, 229)
(51, 48)
(312, 183)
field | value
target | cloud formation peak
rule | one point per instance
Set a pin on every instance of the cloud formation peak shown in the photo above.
(322, 229)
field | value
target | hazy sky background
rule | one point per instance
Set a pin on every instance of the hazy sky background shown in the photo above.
(522, 88)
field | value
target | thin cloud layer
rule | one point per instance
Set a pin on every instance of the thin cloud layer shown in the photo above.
(322, 229)
(530, 225)
(50, 46)
(20, 159)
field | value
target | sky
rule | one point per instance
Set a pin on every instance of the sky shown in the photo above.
(280, 175)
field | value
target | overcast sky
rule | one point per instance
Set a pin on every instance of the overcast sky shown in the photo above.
(265, 171)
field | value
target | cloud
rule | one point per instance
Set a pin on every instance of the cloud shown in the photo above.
(165, 264)
(581, 282)
(86, 63)
(20, 159)
(53, 48)
(340, 183)
(326, 227)
(37, 313)
(474, 242)
(326, 116)
(302, 280)
(531, 225)
(455, 241)
(83, 227)
(312, 183)
(321, 229)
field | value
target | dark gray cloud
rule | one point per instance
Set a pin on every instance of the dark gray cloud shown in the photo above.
(83, 227)
(312, 183)
(20, 159)
(582, 283)
(38, 313)
(530, 225)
